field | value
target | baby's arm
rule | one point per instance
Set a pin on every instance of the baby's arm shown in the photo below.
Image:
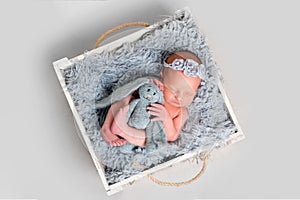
(178, 123)
(172, 126)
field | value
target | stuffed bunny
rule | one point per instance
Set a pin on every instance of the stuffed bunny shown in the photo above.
(137, 115)
(139, 118)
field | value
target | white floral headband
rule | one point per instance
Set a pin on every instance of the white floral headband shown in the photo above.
(189, 67)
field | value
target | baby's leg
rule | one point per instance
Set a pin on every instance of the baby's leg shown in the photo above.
(130, 134)
(106, 132)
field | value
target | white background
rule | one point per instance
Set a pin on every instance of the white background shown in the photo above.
(256, 44)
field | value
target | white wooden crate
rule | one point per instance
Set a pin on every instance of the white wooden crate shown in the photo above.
(65, 63)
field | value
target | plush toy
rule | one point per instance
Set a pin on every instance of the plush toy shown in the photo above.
(137, 115)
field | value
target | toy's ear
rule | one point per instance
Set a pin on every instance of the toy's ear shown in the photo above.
(121, 92)
(143, 88)
(159, 92)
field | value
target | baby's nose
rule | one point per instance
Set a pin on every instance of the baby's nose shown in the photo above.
(178, 97)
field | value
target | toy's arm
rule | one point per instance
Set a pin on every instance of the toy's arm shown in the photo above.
(121, 92)
(132, 106)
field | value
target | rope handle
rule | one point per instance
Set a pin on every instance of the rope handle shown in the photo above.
(197, 176)
(100, 39)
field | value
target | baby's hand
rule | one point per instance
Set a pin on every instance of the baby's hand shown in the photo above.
(159, 84)
(159, 111)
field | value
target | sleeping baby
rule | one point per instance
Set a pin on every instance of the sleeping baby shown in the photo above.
(180, 79)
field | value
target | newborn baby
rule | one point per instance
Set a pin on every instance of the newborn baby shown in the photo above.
(181, 76)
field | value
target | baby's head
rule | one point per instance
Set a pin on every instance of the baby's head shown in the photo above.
(180, 86)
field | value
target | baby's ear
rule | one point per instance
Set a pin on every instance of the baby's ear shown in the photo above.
(161, 73)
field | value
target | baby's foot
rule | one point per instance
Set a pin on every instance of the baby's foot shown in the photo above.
(110, 138)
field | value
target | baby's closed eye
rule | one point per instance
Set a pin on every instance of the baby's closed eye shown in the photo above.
(189, 94)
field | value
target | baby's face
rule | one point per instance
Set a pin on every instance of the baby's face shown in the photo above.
(179, 90)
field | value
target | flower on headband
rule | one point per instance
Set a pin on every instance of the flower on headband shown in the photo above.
(189, 67)
(178, 64)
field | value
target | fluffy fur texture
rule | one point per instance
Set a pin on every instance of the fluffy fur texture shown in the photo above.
(97, 75)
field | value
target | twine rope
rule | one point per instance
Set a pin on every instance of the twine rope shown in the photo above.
(177, 184)
(110, 31)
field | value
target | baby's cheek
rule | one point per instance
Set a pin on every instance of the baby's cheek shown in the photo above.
(189, 100)
(168, 95)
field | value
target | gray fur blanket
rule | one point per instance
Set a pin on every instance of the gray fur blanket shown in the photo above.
(99, 74)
